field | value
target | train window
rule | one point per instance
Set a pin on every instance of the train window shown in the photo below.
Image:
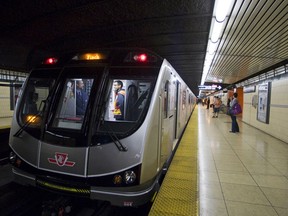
(127, 102)
(183, 99)
(127, 99)
(73, 103)
(166, 100)
(36, 93)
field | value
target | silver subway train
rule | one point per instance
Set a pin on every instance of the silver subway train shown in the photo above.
(101, 124)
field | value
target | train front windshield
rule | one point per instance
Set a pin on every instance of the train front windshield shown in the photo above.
(86, 101)
(83, 98)
(34, 99)
(73, 103)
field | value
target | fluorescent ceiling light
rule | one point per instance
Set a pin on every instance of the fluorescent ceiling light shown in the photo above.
(222, 7)
(216, 31)
(222, 10)
(212, 47)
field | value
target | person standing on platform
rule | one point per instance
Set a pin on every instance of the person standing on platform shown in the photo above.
(217, 104)
(228, 105)
(235, 127)
(208, 102)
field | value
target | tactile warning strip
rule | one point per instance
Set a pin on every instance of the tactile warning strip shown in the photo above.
(178, 194)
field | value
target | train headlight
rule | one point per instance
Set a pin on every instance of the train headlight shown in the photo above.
(33, 119)
(12, 157)
(129, 177)
(117, 180)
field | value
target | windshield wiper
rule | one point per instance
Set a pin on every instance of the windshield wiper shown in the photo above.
(28, 122)
(115, 139)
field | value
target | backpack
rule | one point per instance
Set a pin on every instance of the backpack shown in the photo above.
(236, 109)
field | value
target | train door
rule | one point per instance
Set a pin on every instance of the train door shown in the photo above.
(168, 116)
(165, 136)
(176, 108)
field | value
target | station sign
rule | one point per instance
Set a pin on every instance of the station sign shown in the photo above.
(209, 87)
(248, 89)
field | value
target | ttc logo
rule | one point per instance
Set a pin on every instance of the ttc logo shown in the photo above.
(61, 159)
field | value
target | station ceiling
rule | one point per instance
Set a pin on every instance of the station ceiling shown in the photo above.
(254, 38)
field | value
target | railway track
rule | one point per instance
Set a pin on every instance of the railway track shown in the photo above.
(17, 200)
(4, 147)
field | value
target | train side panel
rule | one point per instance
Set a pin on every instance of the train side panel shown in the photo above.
(166, 123)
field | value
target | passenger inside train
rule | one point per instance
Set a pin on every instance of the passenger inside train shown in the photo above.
(81, 98)
(119, 99)
(72, 110)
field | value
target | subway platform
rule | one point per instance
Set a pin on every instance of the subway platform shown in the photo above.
(238, 174)
(5, 123)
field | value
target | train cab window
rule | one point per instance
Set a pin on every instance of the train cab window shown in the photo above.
(73, 103)
(124, 109)
(35, 95)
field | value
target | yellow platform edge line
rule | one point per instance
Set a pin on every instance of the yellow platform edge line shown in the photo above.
(5, 122)
(5, 127)
(178, 194)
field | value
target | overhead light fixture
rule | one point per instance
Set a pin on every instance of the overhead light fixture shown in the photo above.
(216, 30)
(221, 11)
(212, 47)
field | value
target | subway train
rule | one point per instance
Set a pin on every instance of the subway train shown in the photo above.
(101, 124)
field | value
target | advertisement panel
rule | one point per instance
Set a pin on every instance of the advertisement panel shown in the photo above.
(263, 110)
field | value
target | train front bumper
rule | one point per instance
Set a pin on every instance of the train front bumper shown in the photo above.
(118, 196)
(127, 196)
